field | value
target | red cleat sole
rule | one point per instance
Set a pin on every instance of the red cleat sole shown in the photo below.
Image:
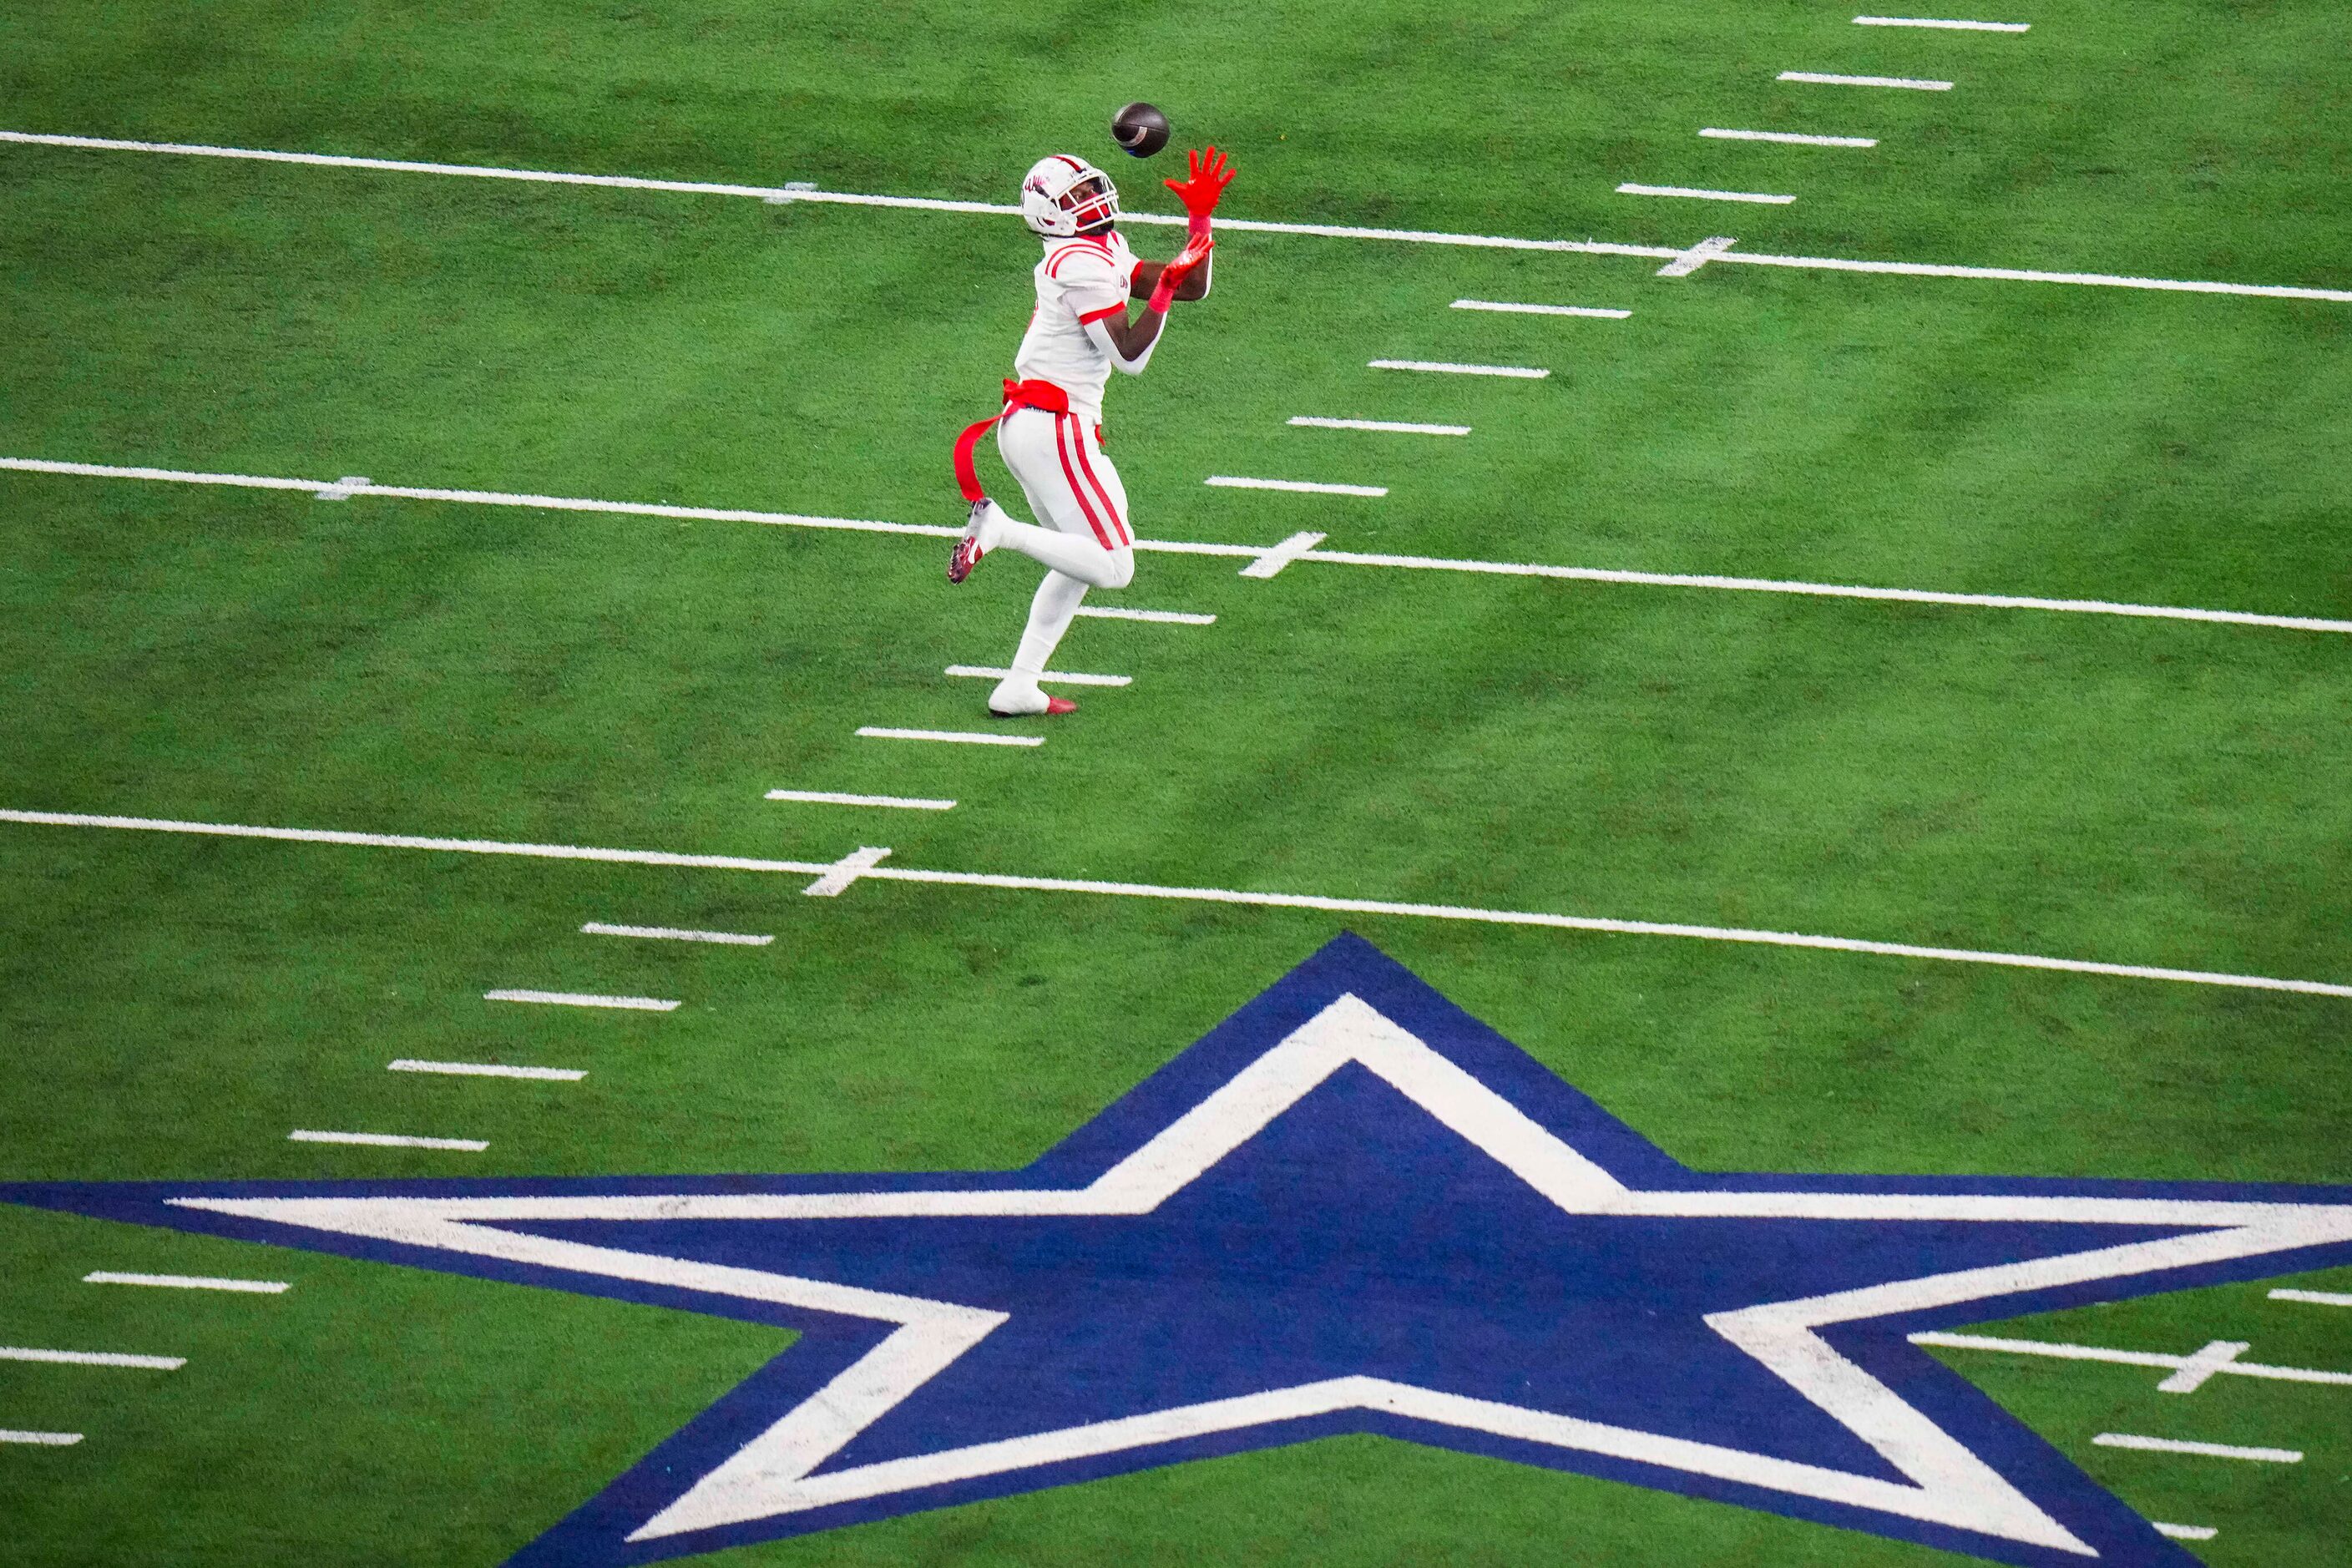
(1054, 708)
(963, 559)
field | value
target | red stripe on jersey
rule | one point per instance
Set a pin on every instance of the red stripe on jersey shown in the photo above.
(1092, 316)
(1078, 439)
(1065, 422)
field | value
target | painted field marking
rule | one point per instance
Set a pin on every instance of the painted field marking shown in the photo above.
(387, 1141)
(1440, 367)
(345, 488)
(834, 797)
(1304, 487)
(1395, 427)
(2210, 1450)
(1060, 677)
(1927, 22)
(582, 999)
(1334, 231)
(1689, 261)
(44, 1439)
(1270, 563)
(1827, 80)
(94, 1358)
(2189, 1372)
(2183, 1531)
(952, 737)
(842, 873)
(676, 933)
(1163, 618)
(487, 1069)
(1509, 308)
(2317, 1297)
(1631, 189)
(1789, 137)
(1456, 912)
(1287, 552)
(188, 1282)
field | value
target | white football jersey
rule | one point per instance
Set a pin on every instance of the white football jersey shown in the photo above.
(1079, 280)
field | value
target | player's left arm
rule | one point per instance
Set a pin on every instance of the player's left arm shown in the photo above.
(1200, 191)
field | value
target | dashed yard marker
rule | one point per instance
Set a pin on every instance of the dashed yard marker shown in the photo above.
(1392, 426)
(94, 1358)
(582, 999)
(487, 1069)
(2315, 1297)
(835, 797)
(951, 737)
(1929, 22)
(1056, 677)
(845, 871)
(1826, 79)
(2189, 1372)
(1243, 897)
(2206, 1450)
(1271, 563)
(1791, 138)
(1305, 487)
(1630, 189)
(41, 1439)
(676, 933)
(388, 1140)
(1442, 367)
(1163, 618)
(188, 1282)
(1508, 307)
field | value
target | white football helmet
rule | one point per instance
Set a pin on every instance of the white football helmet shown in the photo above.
(1063, 196)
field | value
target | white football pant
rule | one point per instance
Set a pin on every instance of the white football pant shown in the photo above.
(1059, 460)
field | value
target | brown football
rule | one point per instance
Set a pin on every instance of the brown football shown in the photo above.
(1140, 129)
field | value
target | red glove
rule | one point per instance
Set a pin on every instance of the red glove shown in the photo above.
(1195, 252)
(1199, 189)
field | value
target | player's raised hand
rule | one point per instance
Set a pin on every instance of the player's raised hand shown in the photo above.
(1172, 276)
(1206, 182)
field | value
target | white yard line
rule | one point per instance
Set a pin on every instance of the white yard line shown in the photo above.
(487, 1069)
(42, 1439)
(1452, 912)
(952, 737)
(2184, 1531)
(835, 797)
(1826, 79)
(1336, 231)
(2317, 1297)
(581, 999)
(1060, 677)
(1288, 550)
(94, 1358)
(1928, 22)
(846, 872)
(188, 1282)
(1442, 367)
(2210, 1450)
(1393, 426)
(1630, 189)
(1163, 618)
(676, 933)
(1510, 308)
(1793, 138)
(1304, 487)
(387, 1141)
(2190, 1372)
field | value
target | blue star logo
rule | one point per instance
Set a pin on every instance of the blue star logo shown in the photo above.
(1351, 1207)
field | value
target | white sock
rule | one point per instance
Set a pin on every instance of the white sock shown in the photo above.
(1050, 613)
(1064, 552)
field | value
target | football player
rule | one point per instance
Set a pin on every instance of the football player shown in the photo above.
(1050, 431)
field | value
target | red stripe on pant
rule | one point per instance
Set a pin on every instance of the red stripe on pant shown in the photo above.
(1078, 439)
(1063, 421)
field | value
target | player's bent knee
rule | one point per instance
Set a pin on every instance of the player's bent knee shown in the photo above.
(1120, 569)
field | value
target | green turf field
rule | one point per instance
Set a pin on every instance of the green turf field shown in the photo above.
(2122, 790)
